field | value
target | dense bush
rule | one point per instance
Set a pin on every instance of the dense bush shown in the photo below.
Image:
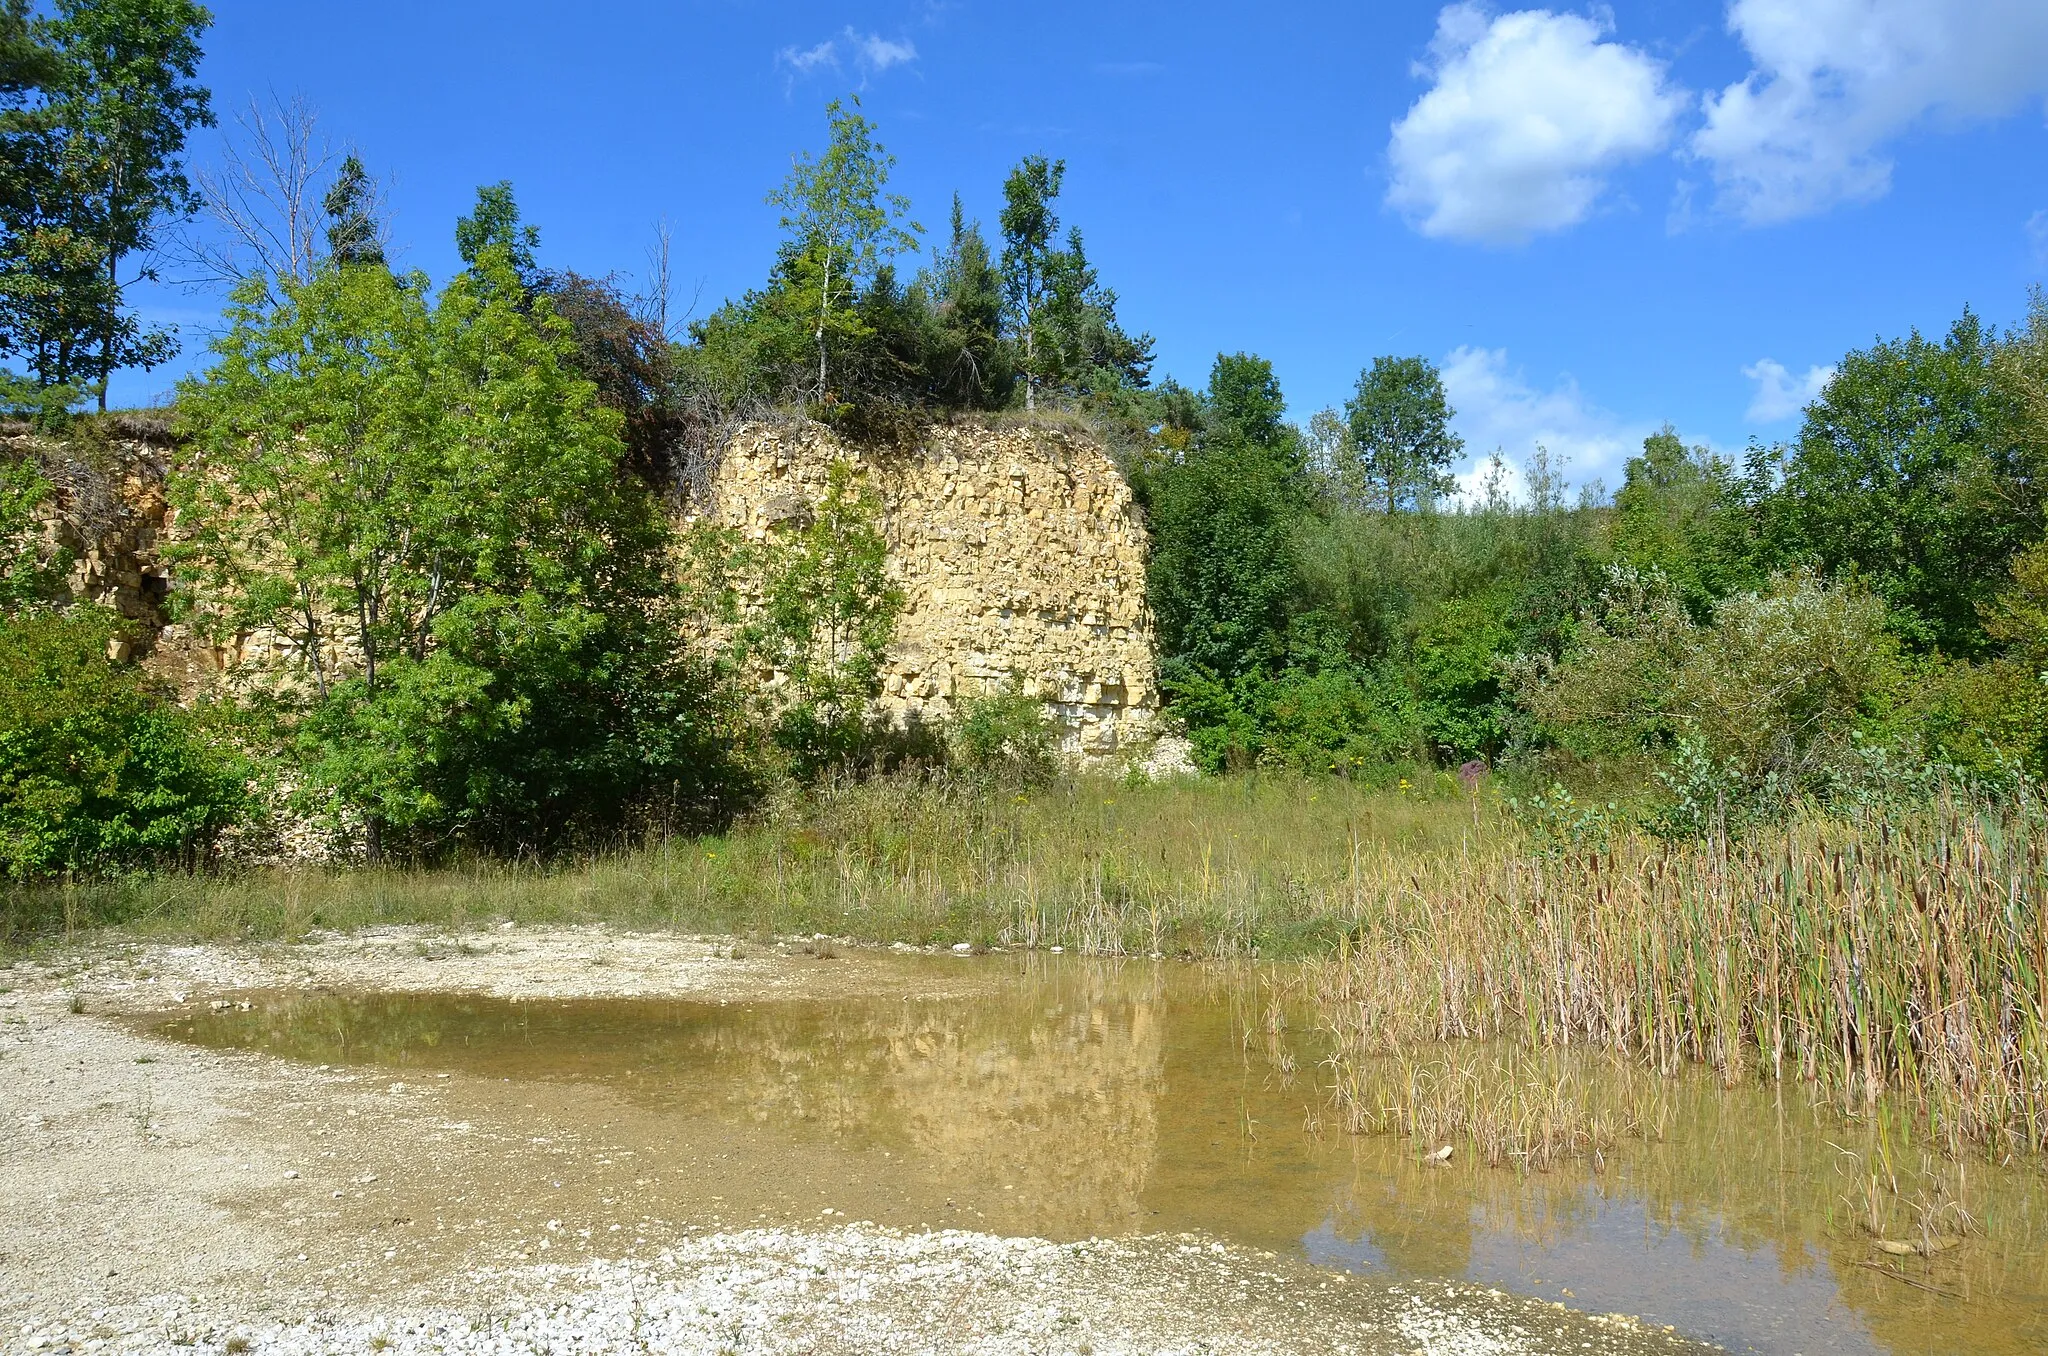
(1774, 688)
(1006, 737)
(99, 773)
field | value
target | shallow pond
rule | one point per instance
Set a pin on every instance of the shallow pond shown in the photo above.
(1065, 1098)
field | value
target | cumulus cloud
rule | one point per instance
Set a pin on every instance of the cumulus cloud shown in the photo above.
(1499, 408)
(1779, 394)
(870, 53)
(1836, 80)
(1527, 115)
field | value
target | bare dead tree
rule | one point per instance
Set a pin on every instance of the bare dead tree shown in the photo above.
(261, 211)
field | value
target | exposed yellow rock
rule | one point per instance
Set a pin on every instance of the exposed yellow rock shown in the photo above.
(1019, 552)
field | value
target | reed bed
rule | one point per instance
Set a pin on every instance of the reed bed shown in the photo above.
(1894, 961)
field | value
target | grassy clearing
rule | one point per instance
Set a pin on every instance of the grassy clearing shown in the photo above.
(1267, 866)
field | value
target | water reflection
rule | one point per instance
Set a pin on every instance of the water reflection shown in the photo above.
(1096, 1098)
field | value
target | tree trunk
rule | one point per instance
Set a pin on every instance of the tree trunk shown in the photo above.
(1030, 364)
(824, 310)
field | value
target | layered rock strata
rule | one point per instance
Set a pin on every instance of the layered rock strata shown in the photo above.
(1019, 553)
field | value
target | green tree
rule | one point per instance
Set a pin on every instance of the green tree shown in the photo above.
(1029, 229)
(495, 226)
(1222, 575)
(97, 165)
(1400, 447)
(1909, 474)
(840, 225)
(425, 504)
(25, 62)
(1681, 511)
(1088, 353)
(971, 367)
(354, 235)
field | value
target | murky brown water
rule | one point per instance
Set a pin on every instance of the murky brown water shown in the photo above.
(1074, 1098)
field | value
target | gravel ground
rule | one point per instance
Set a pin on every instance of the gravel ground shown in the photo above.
(158, 1197)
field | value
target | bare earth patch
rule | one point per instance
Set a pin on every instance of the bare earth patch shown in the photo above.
(159, 1197)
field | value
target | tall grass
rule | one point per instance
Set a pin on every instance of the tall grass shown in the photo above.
(1258, 865)
(1889, 960)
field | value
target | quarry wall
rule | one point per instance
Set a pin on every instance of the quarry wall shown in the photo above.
(1019, 553)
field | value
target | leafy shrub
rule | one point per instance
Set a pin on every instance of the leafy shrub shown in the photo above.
(97, 772)
(1769, 698)
(1007, 737)
(526, 728)
(811, 609)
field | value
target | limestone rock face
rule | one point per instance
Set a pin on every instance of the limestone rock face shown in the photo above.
(1020, 555)
(106, 514)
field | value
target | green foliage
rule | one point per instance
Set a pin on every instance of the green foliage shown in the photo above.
(1680, 511)
(1909, 475)
(29, 576)
(840, 224)
(425, 503)
(354, 235)
(1222, 577)
(1029, 228)
(98, 773)
(494, 230)
(92, 163)
(970, 365)
(526, 728)
(1398, 444)
(813, 607)
(1771, 696)
(1006, 738)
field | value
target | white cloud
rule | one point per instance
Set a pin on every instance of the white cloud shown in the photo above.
(1779, 394)
(1498, 408)
(1836, 80)
(1528, 114)
(870, 53)
(2037, 236)
(876, 54)
(804, 60)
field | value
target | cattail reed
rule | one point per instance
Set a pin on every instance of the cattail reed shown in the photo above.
(1870, 960)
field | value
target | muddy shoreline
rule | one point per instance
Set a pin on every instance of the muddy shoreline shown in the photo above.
(155, 1196)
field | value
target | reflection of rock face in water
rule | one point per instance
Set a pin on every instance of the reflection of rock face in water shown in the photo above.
(1052, 1090)
(1065, 1108)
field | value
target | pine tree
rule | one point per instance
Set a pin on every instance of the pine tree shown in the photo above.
(354, 235)
(973, 367)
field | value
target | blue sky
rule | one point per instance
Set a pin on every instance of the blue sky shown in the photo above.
(1595, 220)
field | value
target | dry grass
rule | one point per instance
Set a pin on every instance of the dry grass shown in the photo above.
(1893, 961)
(1267, 866)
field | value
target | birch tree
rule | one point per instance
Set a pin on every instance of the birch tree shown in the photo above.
(841, 224)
